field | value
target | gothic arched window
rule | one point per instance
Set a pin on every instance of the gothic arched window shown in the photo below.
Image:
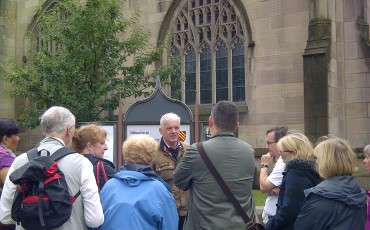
(210, 36)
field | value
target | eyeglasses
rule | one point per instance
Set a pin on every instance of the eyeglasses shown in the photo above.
(286, 151)
(270, 142)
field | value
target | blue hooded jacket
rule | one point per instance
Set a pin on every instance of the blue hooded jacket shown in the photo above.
(336, 203)
(137, 198)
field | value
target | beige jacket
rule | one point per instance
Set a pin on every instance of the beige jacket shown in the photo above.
(165, 165)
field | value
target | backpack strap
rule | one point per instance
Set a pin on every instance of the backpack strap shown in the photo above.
(62, 152)
(32, 153)
(59, 154)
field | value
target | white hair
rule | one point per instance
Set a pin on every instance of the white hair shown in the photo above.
(56, 120)
(169, 117)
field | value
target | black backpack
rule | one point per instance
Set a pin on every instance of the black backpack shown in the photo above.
(42, 200)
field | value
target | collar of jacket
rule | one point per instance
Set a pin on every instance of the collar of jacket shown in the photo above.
(163, 147)
(146, 170)
(300, 163)
(94, 159)
(223, 134)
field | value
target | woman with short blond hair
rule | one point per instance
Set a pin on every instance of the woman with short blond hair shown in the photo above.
(297, 153)
(137, 198)
(338, 202)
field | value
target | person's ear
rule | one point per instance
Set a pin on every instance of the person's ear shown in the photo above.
(161, 131)
(5, 140)
(211, 121)
(89, 147)
(236, 127)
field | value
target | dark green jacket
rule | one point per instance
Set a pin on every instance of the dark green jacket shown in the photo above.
(209, 208)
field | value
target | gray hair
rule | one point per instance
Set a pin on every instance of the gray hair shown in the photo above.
(56, 120)
(367, 151)
(170, 117)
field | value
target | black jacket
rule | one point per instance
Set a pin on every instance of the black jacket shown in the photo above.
(109, 167)
(336, 203)
(299, 175)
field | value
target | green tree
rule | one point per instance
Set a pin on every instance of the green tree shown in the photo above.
(82, 64)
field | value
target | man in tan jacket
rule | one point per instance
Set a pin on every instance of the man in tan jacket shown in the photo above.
(171, 149)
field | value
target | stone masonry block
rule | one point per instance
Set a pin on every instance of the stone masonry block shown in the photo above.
(265, 77)
(294, 104)
(336, 126)
(336, 94)
(336, 110)
(366, 94)
(262, 25)
(274, 62)
(292, 40)
(289, 6)
(358, 140)
(270, 105)
(339, 34)
(350, 32)
(351, 50)
(264, 9)
(357, 65)
(338, 46)
(356, 110)
(290, 20)
(353, 96)
(350, 14)
(267, 43)
(293, 75)
(333, 65)
(356, 80)
(357, 125)
(339, 10)
(292, 90)
(267, 91)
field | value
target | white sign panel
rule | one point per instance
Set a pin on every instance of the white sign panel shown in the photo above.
(153, 130)
(108, 154)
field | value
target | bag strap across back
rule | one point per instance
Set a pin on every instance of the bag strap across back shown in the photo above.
(100, 169)
(249, 223)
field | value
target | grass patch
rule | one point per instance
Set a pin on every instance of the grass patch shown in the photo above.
(259, 197)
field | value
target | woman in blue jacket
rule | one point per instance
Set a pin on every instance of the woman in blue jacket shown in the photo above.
(137, 198)
(338, 202)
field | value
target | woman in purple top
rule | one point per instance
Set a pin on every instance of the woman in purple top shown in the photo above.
(367, 165)
(8, 145)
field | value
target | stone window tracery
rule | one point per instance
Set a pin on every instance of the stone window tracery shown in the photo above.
(210, 37)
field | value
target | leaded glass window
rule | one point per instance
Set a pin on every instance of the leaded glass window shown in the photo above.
(205, 77)
(210, 35)
(238, 72)
(221, 73)
(190, 77)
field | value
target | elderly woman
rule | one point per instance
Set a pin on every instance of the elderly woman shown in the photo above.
(367, 165)
(297, 153)
(8, 145)
(137, 198)
(338, 202)
(89, 140)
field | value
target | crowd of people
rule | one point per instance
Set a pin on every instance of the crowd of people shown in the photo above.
(167, 185)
